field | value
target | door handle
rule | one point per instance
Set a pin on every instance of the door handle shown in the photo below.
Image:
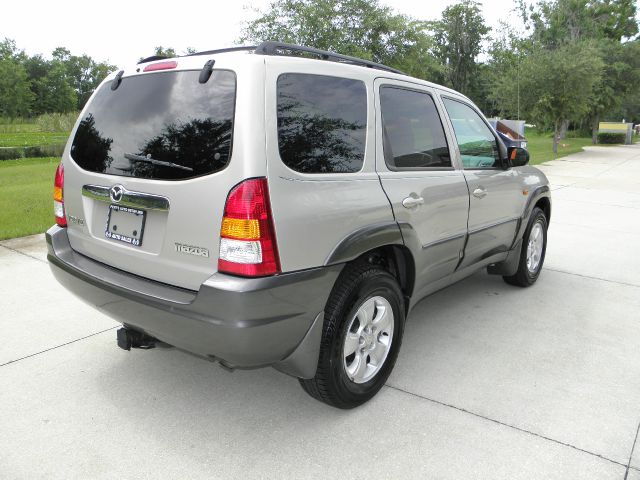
(411, 202)
(480, 192)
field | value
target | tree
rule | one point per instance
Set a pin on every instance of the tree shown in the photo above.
(557, 22)
(55, 91)
(358, 28)
(458, 42)
(85, 74)
(620, 78)
(164, 52)
(15, 93)
(559, 85)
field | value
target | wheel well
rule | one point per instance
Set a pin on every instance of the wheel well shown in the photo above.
(398, 261)
(545, 205)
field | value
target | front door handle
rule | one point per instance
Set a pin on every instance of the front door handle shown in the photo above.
(411, 202)
(480, 192)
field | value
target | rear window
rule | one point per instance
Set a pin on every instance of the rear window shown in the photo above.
(165, 126)
(322, 123)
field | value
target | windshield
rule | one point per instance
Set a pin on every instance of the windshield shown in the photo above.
(154, 124)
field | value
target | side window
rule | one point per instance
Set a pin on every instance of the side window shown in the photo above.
(322, 123)
(413, 133)
(477, 144)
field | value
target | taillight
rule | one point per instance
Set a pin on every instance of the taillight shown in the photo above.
(247, 237)
(58, 197)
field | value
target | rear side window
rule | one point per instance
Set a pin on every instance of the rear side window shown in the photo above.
(413, 133)
(165, 126)
(478, 147)
(322, 123)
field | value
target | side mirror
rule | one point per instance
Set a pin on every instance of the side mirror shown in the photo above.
(518, 156)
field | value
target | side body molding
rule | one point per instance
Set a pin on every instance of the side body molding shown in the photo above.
(363, 240)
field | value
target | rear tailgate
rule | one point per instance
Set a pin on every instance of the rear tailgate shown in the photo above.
(150, 164)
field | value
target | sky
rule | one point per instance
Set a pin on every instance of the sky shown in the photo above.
(121, 32)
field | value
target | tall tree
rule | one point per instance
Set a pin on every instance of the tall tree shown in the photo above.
(15, 93)
(360, 28)
(458, 42)
(85, 74)
(558, 85)
(620, 78)
(55, 91)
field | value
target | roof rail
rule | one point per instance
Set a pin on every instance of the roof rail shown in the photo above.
(279, 48)
(221, 50)
(152, 58)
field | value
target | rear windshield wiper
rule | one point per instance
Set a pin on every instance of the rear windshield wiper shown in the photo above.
(142, 158)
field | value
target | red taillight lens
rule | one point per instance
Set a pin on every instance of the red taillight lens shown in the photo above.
(160, 66)
(58, 197)
(247, 237)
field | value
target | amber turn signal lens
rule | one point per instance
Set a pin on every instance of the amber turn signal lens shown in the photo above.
(240, 228)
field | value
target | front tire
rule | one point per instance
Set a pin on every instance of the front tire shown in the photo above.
(362, 333)
(533, 251)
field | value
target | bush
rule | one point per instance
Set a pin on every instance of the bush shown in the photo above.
(56, 122)
(611, 138)
(13, 153)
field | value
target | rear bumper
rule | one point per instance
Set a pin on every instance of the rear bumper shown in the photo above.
(242, 322)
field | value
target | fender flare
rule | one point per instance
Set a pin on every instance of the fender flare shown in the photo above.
(363, 240)
(542, 191)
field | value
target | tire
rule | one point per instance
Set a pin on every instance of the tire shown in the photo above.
(344, 381)
(529, 267)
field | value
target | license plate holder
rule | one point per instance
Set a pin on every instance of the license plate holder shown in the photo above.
(125, 224)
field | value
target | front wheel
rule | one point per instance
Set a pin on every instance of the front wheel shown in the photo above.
(362, 334)
(533, 251)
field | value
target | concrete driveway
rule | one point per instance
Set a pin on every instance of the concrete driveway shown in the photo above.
(492, 381)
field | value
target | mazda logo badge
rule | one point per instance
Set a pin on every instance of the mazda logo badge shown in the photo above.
(116, 193)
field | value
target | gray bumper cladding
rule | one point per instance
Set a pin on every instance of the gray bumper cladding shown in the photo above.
(242, 322)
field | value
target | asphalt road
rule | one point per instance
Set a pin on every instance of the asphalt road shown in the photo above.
(492, 381)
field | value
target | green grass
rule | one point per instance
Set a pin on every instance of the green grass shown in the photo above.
(29, 139)
(540, 146)
(26, 196)
(19, 127)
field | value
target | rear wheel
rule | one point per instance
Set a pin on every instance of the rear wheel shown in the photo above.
(362, 334)
(533, 251)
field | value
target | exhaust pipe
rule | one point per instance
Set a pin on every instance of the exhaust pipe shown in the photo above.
(128, 339)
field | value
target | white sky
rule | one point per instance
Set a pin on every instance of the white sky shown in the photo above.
(123, 31)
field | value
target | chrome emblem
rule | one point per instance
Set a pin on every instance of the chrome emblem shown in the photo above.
(191, 250)
(116, 193)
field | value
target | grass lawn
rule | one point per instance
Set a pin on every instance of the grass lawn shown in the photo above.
(29, 139)
(26, 196)
(540, 146)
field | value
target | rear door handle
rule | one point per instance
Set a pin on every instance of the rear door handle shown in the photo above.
(480, 192)
(411, 202)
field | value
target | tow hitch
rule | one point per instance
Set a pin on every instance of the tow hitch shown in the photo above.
(128, 339)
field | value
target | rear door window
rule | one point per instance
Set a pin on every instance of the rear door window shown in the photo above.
(322, 123)
(165, 126)
(413, 134)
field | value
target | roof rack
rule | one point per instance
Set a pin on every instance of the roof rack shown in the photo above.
(279, 48)
(152, 58)
(221, 50)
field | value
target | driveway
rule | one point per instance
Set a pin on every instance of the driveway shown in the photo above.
(492, 381)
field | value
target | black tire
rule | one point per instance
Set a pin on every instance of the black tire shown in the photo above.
(356, 284)
(523, 276)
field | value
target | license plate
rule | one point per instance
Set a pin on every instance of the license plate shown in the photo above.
(125, 224)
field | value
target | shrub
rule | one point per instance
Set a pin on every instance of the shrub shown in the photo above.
(56, 122)
(611, 138)
(13, 153)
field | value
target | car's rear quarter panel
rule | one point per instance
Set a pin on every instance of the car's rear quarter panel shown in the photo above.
(313, 213)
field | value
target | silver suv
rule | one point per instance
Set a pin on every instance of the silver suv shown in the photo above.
(284, 206)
